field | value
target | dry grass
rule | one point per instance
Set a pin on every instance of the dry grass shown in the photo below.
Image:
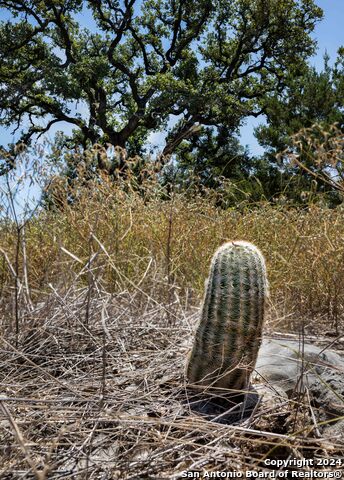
(150, 242)
(98, 306)
(107, 399)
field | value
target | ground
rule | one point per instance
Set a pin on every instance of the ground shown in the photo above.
(96, 389)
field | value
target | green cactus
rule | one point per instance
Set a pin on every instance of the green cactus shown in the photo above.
(229, 332)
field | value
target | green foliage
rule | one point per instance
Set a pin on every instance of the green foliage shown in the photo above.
(210, 63)
(212, 155)
(309, 98)
(312, 97)
(216, 160)
(317, 153)
(216, 155)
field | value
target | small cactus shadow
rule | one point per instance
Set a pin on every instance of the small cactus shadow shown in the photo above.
(225, 408)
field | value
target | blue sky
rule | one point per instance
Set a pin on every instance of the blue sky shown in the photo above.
(329, 35)
(329, 32)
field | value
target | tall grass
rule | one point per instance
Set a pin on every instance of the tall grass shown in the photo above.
(134, 239)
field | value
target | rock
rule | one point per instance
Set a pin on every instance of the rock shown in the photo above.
(289, 367)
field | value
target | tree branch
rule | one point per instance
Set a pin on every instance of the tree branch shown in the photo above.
(188, 129)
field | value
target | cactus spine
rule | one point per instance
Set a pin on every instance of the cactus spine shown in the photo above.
(229, 332)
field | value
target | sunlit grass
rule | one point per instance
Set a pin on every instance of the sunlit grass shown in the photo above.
(167, 244)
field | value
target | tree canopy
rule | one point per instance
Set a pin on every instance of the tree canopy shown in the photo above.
(208, 63)
(311, 105)
(313, 97)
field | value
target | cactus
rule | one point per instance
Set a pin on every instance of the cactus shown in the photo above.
(229, 332)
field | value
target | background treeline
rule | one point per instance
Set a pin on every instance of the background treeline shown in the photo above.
(120, 73)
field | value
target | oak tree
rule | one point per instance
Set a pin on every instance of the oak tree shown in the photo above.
(135, 65)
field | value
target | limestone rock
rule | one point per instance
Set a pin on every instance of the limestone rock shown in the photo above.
(287, 367)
